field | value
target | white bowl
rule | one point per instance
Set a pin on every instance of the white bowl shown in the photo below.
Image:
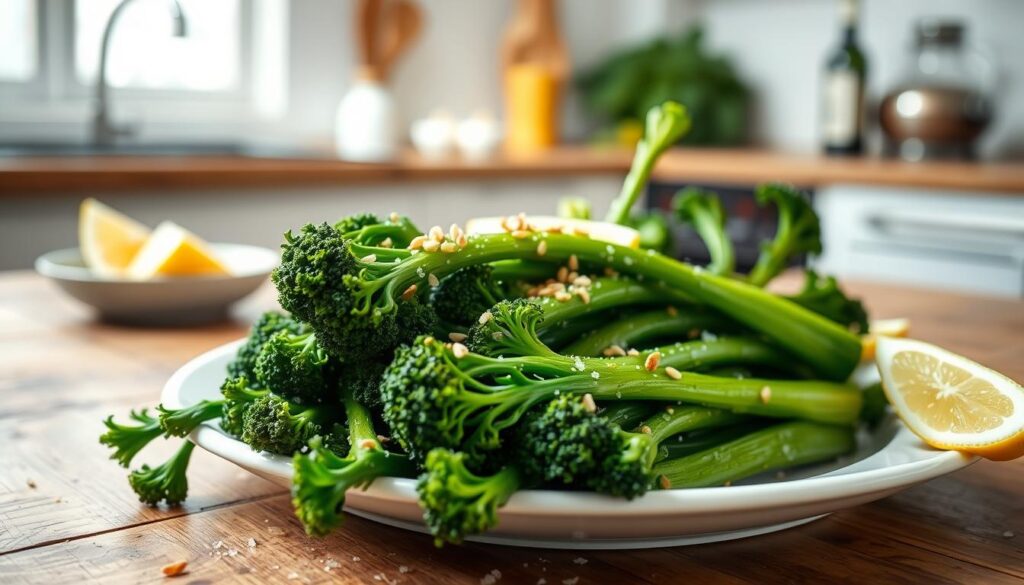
(166, 301)
(888, 459)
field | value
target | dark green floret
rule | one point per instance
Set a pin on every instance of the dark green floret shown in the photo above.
(182, 421)
(294, 366)
(167, 482)
(272, 423)
(703, 210)
(798, 232)
(263, 329)
(822, 295)
(461, 297)
(127, 440)
(238, 396)
(457, 502)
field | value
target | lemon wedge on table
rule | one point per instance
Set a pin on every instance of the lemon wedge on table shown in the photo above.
(881, 328)
(174, 251)
(108, 239)
(951, 402)
(601, 231)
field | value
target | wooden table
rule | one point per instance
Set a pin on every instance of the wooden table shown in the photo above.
(67, 514)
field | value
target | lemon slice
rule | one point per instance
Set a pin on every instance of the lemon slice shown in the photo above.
(950, 401)
(601, 231)
(881, 327)
(107, 238)
(174, 251)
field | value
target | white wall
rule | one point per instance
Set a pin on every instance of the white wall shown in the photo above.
(780, 47)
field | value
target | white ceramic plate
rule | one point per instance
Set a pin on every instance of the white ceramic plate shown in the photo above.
(887, 460)
(163, 301)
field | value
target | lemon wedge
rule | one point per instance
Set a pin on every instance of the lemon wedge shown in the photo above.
(601, 231)
(108, 238)
(951, 402)
(881, 327)
(174, 251)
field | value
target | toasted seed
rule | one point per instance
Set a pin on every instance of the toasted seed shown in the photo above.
(368, 444)
(462, 240)
(581, 281)
(651, 362)
(383, 440)
(670, 410)
(520, 234)
(485, 317)
(457, 337)
(542, 248)
(386, 243)
(588, 403)
(610, 272)
(460, 351)
(673, 373)
(409, 292)
(572, 276)
(646, 430)
(584, 295)
(672, 311)
(369, 258)
(614, 350)
(574, 263)
(432, 279)
(632, 352)
(437, 234)
(563, 274)
(555, 229)
(664, 482)
(431, 246)
(449, 247)
(562, 296)
(417, 242)
(766, 394)
(174, 569)
(394, 217)
(454, 231)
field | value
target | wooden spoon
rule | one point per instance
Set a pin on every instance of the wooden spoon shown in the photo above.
(402, 24)
(368, 21)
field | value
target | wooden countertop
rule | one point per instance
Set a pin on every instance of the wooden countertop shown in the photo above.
(67, 514)
(19, 176)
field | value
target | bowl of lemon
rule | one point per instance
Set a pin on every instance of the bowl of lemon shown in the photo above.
(166, 275)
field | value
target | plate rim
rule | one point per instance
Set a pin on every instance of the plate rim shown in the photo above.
(706, 500)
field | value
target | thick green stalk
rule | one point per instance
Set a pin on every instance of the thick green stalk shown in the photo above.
(636, 330)
(832, 351)
(674, 420)
(704, 439)
(780, 446)
(664, 126)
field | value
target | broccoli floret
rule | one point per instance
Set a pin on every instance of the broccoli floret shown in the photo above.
(128, 440)
(703, 210)
(511, 329)
(294, 366)
(822, 295)
(355, 222)
(263, 329)
(272, 423)
(437, 396)
(458, 502)
(363, 380)
(460, 298)
(321, 477)
(367, 229)
(799, 231)
(167, 482)
(238, 396)
(182, 421)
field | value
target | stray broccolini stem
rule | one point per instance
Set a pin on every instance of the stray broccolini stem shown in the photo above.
(642, 328)
(703, 210)
(664, 126)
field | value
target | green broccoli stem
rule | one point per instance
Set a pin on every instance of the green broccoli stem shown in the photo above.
(626, 415)
(664, 126)
(182, 421)
(635, 330)
(674, 420)
(128, 440)
(832, 351)
(703, 210)
(167, 482)
(779, 446)
(700, 440)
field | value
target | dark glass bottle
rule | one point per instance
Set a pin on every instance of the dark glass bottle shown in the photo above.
(843, 108)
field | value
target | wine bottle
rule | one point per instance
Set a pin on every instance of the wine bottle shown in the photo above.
(845, 71)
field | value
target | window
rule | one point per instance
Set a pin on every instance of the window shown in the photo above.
(144, 52)
(19, 23)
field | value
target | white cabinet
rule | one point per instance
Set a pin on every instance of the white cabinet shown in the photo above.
(970, 242)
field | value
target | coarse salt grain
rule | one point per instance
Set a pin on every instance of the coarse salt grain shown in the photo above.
(369, 258)
(432, 279)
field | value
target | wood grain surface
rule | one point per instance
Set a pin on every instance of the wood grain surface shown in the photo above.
(21, 175)
(67, 514)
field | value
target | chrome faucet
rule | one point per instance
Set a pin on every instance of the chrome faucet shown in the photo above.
(104, 131)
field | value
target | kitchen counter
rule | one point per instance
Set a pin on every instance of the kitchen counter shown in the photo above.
(722, 166)
(67, 514)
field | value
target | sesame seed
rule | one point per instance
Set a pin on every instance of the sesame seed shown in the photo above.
(394, 217)
(555, 229)
(766, 394)
(386, 243)
(588, 403)
(462, 240)
(369, 258)
(437, 234)
(572, 276)
(562, 296)
(651, 362)
(574, 262)
(646, 430)
(581, 281)
(417, 242)
(431, 246)
(613, 350)
(542, 248)
(632, 352)
(454, 231)
(664, 482)
(485, 317)
(409, 292)
(673, 373)
(449, 247)
(457, 337)
(520, 234)
(432, 279)
(563, 274)
(584, 295)
(672, 311)
(459, 350)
